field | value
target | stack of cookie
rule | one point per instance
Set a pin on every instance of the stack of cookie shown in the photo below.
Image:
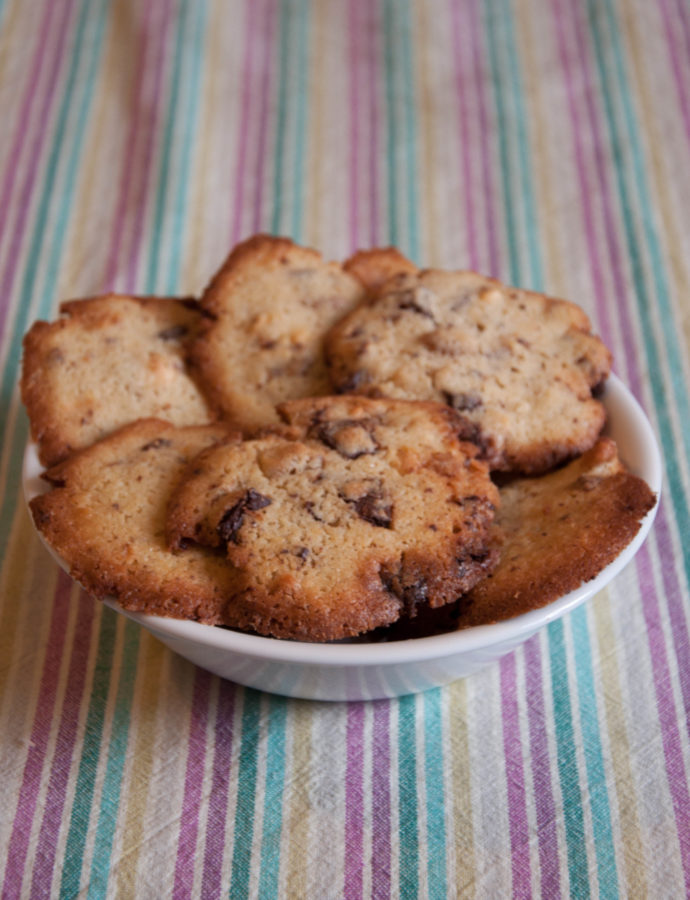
(318, 451)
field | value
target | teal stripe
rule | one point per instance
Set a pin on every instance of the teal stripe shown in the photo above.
(434, 761)
(117, 752)
(243, 832)
(54, 210)
(88, 765)
(407, 801)
(567, 765)
(594, 758)
(273, 797)
(168, 144)
(626, 149)
(184, 168)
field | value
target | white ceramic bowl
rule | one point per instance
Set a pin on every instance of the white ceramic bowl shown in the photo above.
(361, 671)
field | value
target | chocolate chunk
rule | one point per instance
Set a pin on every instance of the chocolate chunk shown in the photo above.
(232, 519)
(352, 438)
(157, 444)
(174, 333)
(374, 509)
(417, 301)
(356, 380)
(463, 402)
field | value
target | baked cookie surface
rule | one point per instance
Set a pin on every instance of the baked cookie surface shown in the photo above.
(105, 516)
(376, 266)
(368, 509)
(107, 361)
(519, 366)
(268, 307)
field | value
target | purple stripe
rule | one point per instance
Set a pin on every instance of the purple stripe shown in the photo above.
(266, 68)
(353, 27)
(354, 802)
(194, 779)
(38, 744)
(218, 799)
(55, 60)
(680, 78)
(545, 809)
(128, 172)
(64, 749)
(245, 117)
(458, 11)
(666, 707)
(147, 116)
(481, 79)
(515, 781)
(381, 803)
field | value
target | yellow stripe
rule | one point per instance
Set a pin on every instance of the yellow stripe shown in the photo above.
(298, 818)
(150, 669)
(463, 830)
(614, 706)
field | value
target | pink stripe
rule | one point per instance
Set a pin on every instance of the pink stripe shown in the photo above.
(128, 171)
(545, 809)
(459, 12)
(668, 717)
(515, 781)
(353, 27)
(246, 79)
(55, 58)
(218, 800)
(266, 68)
(194, 779)
(481, 79)
(38, 744)
(381, 803)
(354, 802)
(148, 114)
(64, 749)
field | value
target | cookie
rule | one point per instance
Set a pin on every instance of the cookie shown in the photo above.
(369, 509)
(376, 266)
(105, 516)
(268, 308)
(107, 361)
(521, 367)
(558, 531)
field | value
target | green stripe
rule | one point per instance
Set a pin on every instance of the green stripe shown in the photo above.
(167, 146)
(88, 765)
(594, 758)
(434, 761)
(243, 832)
(407, 798)
(626, 150)
(117, 753)
(273, 797)
(77, 96)
(567, 765)
(190, 117)
(301, 24)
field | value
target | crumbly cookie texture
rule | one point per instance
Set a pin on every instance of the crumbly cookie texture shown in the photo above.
(105, 516)
(367, 510)
(268, 308)
(558, 531)
(107, 361)
(519, 366)
(376, 266)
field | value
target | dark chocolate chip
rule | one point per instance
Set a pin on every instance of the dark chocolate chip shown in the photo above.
(174, 333)
(374, 509)
(356, 380)
(232, 519)
(309, 506)
(463, 402)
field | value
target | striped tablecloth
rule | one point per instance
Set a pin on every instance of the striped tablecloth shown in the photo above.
(546, 142)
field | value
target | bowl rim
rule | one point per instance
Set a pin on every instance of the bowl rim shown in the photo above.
(411, 650)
